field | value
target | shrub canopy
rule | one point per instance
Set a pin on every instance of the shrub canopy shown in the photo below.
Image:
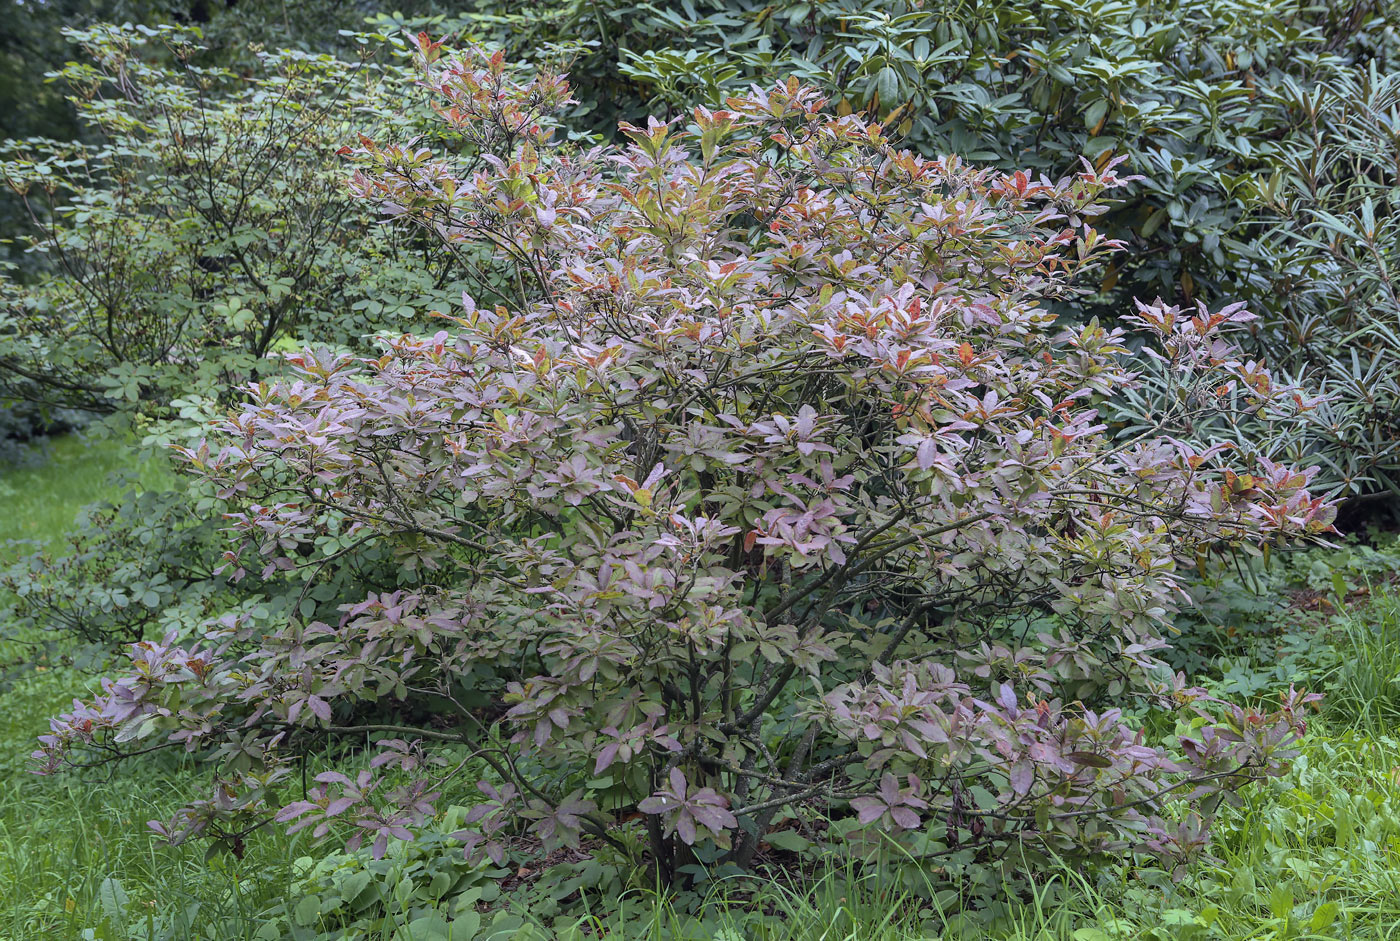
(776, 491)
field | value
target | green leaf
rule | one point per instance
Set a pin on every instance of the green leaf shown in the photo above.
(113, 899)
(466, 925)
(431, 927)
(789, 840)
(887, 83)
(1095, 114)
(308, 910)
(1323, 917)
(355, 884)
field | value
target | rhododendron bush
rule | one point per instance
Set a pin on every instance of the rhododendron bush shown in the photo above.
(773, 499)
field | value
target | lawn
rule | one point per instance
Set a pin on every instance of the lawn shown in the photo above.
(40, 497)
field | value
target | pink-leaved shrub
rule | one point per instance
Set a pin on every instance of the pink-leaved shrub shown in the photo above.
(763, 492)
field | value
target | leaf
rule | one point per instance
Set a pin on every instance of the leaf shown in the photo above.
(788, 840)
(354, 884)
(307, 911)
(905, 817)
(657, 804)
(887, 84)
(320, 707)
(113, 899)
(1022, 777)
(1095, 114)
(1323, 916)
(606, 756)
(868, 809)
(430, 927)
(466, 925)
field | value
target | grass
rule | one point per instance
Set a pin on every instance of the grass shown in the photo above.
(1313, 855)
(38, 500)
(62, 838)
(1365, 686)
(69, 845)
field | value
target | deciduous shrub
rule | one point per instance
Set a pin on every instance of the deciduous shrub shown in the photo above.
(202, 223)
(1232, 112)
(775, 497)
(205, 222)
(134, 567)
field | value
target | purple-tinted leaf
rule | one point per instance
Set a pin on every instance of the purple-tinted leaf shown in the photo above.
(868, 809)
(904, 817)
(1022, 777)
(605, 758)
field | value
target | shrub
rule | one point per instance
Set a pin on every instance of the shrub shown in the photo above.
(205, 222)
(1182, 89)
(1333, 246)
(201, 223)
(130, 567)
(775, 494)
(1233, 112)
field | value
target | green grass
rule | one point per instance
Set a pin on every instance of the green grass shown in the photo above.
(63, 838)
(1313, 855)
(1365, 685)
(39, 501)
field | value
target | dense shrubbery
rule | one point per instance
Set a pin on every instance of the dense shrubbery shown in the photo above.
(202, 223)
(774, 493)
(1245, 120)
(206, 223)
(32, 44)
(1334, 243)
(1256, 128)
